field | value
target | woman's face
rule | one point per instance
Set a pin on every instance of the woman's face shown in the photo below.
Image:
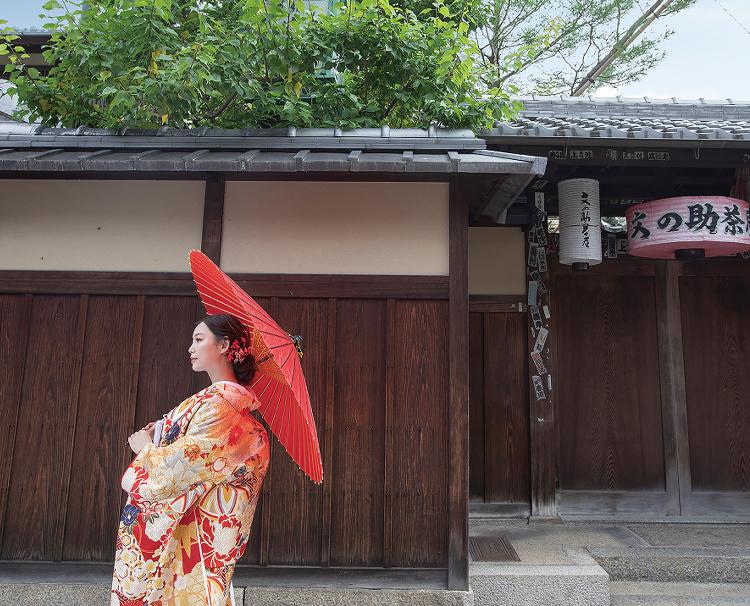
(206, 350)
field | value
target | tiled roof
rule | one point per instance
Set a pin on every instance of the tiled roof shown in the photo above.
(622, 118)
(30, 147)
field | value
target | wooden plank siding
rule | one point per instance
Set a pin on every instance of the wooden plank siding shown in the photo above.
(499, 413)
(295, 536)
(44, 433)
(15, 311)
(609, 398)
(716, 337)
(111, 352)
(88, 369)
(359, 396)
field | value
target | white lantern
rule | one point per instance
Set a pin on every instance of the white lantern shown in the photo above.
(580, 223)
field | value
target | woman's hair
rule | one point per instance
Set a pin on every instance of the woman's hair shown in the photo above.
(225, 325)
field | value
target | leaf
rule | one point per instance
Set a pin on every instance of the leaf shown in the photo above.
(51, 5)
(360, 63)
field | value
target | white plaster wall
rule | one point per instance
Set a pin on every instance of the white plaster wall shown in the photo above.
(335, 228)
(496, 261)
(99, 225)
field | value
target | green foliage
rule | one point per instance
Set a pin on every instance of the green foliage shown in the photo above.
(552, 46)
(257, 63)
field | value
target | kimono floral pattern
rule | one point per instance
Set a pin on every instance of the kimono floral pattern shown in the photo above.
(191, 502)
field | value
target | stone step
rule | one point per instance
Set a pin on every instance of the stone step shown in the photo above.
(92, 594)
(88, 584)
(518, 584)
(66, 594)
(646, 593)
(675, 564)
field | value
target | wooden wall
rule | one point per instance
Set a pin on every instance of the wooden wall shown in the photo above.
(609, 400)
(86, 369)
(499, 408)
(651, 365)
(716, 336)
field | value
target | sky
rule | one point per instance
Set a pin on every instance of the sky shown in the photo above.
(706, 57)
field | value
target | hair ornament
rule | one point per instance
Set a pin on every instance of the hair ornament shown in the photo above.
(238, 351)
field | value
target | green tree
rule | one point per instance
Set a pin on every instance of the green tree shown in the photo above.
(257, 63)
(572, 46)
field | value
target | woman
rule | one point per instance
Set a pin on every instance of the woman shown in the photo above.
(192, 496)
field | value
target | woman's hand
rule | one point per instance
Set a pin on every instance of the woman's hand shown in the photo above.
(139, 439)
(150, 428)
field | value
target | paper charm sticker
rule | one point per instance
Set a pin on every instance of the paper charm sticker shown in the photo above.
(533, 290)
(541, 259)
(533, 255)
(541, 339)
(536, 317)
(538, 387)
(538, 362)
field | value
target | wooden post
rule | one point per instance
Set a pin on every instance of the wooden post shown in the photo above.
(213, 219)
(542, 431)
(458, 402)
(673, 397)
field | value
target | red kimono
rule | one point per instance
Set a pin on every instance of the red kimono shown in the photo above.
(191, 501)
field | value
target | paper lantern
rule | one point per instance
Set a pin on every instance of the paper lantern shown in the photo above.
(688, 227)
(580, 242)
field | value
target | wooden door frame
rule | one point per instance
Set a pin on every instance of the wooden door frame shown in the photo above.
(486, 305)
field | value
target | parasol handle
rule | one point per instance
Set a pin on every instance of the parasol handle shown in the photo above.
(297, 340)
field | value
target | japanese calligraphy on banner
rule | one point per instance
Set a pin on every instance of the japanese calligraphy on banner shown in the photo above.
(580, 222)
(718, 225)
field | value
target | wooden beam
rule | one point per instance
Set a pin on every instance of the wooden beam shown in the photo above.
(262, 285)
(187, 175)
(497, 303)
(725, 268)
(478, 204)
(658, 154)
(544, 451)
(625, 266)
(458, 403)
(614, 502)
(213, 219)
(673, 396)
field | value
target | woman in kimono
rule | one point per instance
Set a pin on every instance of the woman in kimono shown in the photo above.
(194, 483)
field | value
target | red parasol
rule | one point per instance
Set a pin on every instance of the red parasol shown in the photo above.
(279, 382)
